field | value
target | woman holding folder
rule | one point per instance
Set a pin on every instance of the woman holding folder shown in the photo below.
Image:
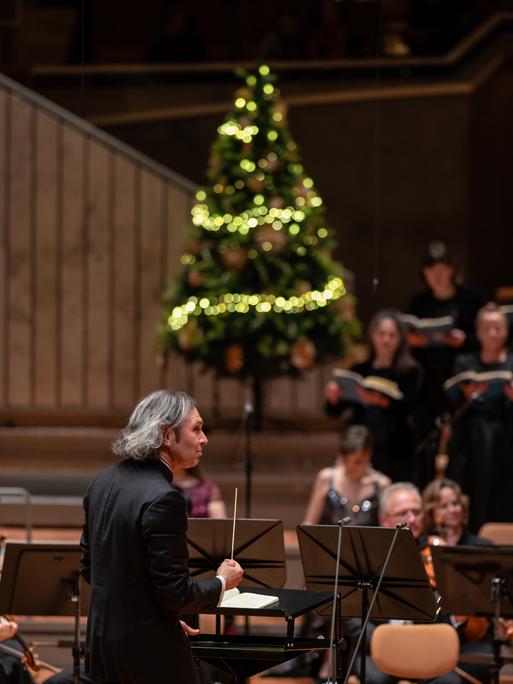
(481, 446)
(387, 413)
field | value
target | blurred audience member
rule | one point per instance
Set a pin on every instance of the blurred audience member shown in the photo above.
(329, 38)
(180, 40)
(286, 40)
(203, 497)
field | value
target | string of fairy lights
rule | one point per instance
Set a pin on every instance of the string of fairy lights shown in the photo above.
(253, 217)
(262, 303)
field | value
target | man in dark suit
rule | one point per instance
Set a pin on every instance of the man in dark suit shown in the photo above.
(134, 550)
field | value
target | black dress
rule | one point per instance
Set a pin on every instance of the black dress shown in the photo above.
(437, 361)
(481, 449)
(336, 506)
(391, 427)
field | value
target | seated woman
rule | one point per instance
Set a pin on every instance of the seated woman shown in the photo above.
(349, 488)
(203, 497)
(390, 421)
(446, 513)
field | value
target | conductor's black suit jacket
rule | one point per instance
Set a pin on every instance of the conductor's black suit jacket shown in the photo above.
(134, 556)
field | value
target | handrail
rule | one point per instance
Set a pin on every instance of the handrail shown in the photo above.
(20, 492)
(89, 129)
(452, 57)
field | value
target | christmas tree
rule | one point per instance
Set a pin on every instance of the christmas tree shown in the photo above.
(259, 294)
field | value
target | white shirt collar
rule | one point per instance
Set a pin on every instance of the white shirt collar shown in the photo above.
(166, 464)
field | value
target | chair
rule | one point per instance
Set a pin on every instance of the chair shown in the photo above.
(496, 532)
(415, 651)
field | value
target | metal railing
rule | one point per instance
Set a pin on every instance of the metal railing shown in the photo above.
(20, 493)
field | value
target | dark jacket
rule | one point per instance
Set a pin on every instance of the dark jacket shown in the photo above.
(134, 556)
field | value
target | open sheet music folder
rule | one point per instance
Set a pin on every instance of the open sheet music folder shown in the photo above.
(489, 383)
(349, 382)
(434, 330)
(233, 598)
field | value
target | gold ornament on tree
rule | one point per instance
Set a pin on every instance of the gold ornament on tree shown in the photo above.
(268, 238)
(189, 336)
(302, 287)
(302, 354)
(271, 163)
(255, 184)
(234, 358)
(234, 258)
(214, 162)
(194, 278)
(276, 202)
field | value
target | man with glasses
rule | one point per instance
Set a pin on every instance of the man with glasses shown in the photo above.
(402, 502)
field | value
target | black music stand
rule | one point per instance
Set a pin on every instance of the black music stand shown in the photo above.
(477, 580)
(258, 547)
(44, 579)
(405, 592)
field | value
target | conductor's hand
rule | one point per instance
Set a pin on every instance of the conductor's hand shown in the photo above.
(188, 630)
(232, 573)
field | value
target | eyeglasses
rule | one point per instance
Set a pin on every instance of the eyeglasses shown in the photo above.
(416, 512)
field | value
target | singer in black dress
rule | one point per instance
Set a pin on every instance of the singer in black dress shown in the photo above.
(481, 446)
(442, 296)
(390, 421)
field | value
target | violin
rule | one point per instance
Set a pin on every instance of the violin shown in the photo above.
(475, 628)
(40, 671)
(442, 457)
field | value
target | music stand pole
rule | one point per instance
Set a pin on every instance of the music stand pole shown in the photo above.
(366, 611)
(498, 589)
(248, 457)
(75, 598)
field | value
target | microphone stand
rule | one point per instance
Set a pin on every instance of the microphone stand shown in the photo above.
(361, 644)
(248, 456)
(334, 611)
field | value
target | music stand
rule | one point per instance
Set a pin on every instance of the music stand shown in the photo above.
(44, 579)
(259, 548)
(405, 592)
(477, 580)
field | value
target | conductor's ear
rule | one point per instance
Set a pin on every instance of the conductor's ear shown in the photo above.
(168, 436)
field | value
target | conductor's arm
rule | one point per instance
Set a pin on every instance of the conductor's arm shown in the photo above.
(164, 527)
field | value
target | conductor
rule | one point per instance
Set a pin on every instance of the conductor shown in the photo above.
(134, 550)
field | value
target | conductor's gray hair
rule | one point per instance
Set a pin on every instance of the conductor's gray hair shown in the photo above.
(392, 489)
(142, 437)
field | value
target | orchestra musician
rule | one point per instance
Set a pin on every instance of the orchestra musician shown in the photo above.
(12, 669)
(400, 502)
(134, 550)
